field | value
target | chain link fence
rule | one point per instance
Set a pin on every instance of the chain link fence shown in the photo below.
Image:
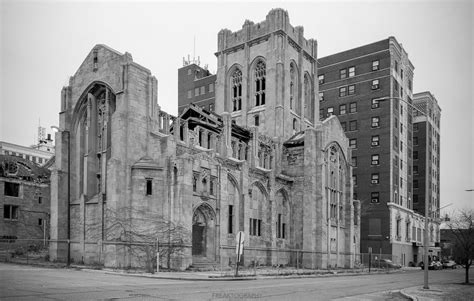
(150, 257)
(27, 251)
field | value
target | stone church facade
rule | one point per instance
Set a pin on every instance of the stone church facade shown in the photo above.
(262, 163)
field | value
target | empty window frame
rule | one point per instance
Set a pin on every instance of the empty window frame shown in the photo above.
(212, 184)
(10, 212)
(255, 227)
(195, 183)
(256, 119)
(281, 227)
(11, 189)
(149, 186)
(230, 221)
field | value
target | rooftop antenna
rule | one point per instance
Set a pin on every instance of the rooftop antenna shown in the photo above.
(194, 49)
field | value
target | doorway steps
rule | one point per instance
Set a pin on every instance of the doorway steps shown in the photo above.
(203, 264)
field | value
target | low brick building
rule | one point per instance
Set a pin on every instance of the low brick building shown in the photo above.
(24, 199)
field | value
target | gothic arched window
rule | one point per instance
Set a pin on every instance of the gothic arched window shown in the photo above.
(335, 183)
(260, 75)
(308, 99)
(236, 90)
(292, 86)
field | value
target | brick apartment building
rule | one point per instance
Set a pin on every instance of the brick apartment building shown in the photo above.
(426, 154)
(380, 135)
(195, 85)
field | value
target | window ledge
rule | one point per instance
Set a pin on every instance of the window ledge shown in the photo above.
(257, 109)
(236, 113)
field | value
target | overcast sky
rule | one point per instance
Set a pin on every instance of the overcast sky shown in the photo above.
(44, 42)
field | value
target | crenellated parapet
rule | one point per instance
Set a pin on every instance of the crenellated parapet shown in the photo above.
(277, 22)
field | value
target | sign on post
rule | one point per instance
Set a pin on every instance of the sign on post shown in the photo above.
(239, 248)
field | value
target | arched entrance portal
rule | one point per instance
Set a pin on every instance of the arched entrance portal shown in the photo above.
(203, 233)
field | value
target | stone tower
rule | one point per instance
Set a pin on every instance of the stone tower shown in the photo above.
(266, 76)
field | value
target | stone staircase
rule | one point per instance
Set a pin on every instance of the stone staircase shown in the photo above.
(203, 264)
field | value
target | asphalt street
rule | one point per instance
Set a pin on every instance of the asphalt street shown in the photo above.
(19, 282)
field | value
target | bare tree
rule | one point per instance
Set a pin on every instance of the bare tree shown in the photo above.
(144, 233)
(461, 227)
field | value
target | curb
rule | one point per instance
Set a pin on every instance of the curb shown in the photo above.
(184, 278)
(407, 295)
(224, 278)
(154, 276)
(221, 278)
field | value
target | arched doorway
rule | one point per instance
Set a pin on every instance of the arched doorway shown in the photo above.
(203, 236)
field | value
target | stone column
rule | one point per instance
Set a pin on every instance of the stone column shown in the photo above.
(59, 201)
(311, 153)
(227, 135)
(177, 129)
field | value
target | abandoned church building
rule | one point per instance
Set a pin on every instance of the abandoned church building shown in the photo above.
(130, 177)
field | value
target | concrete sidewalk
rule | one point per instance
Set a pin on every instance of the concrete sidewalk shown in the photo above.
(244, 275)
(225, 275)
(451, 291)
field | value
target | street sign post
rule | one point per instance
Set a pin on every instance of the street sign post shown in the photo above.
(239, 248)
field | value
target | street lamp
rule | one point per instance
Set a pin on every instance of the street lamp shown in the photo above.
(56, 129)
(425, 238)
